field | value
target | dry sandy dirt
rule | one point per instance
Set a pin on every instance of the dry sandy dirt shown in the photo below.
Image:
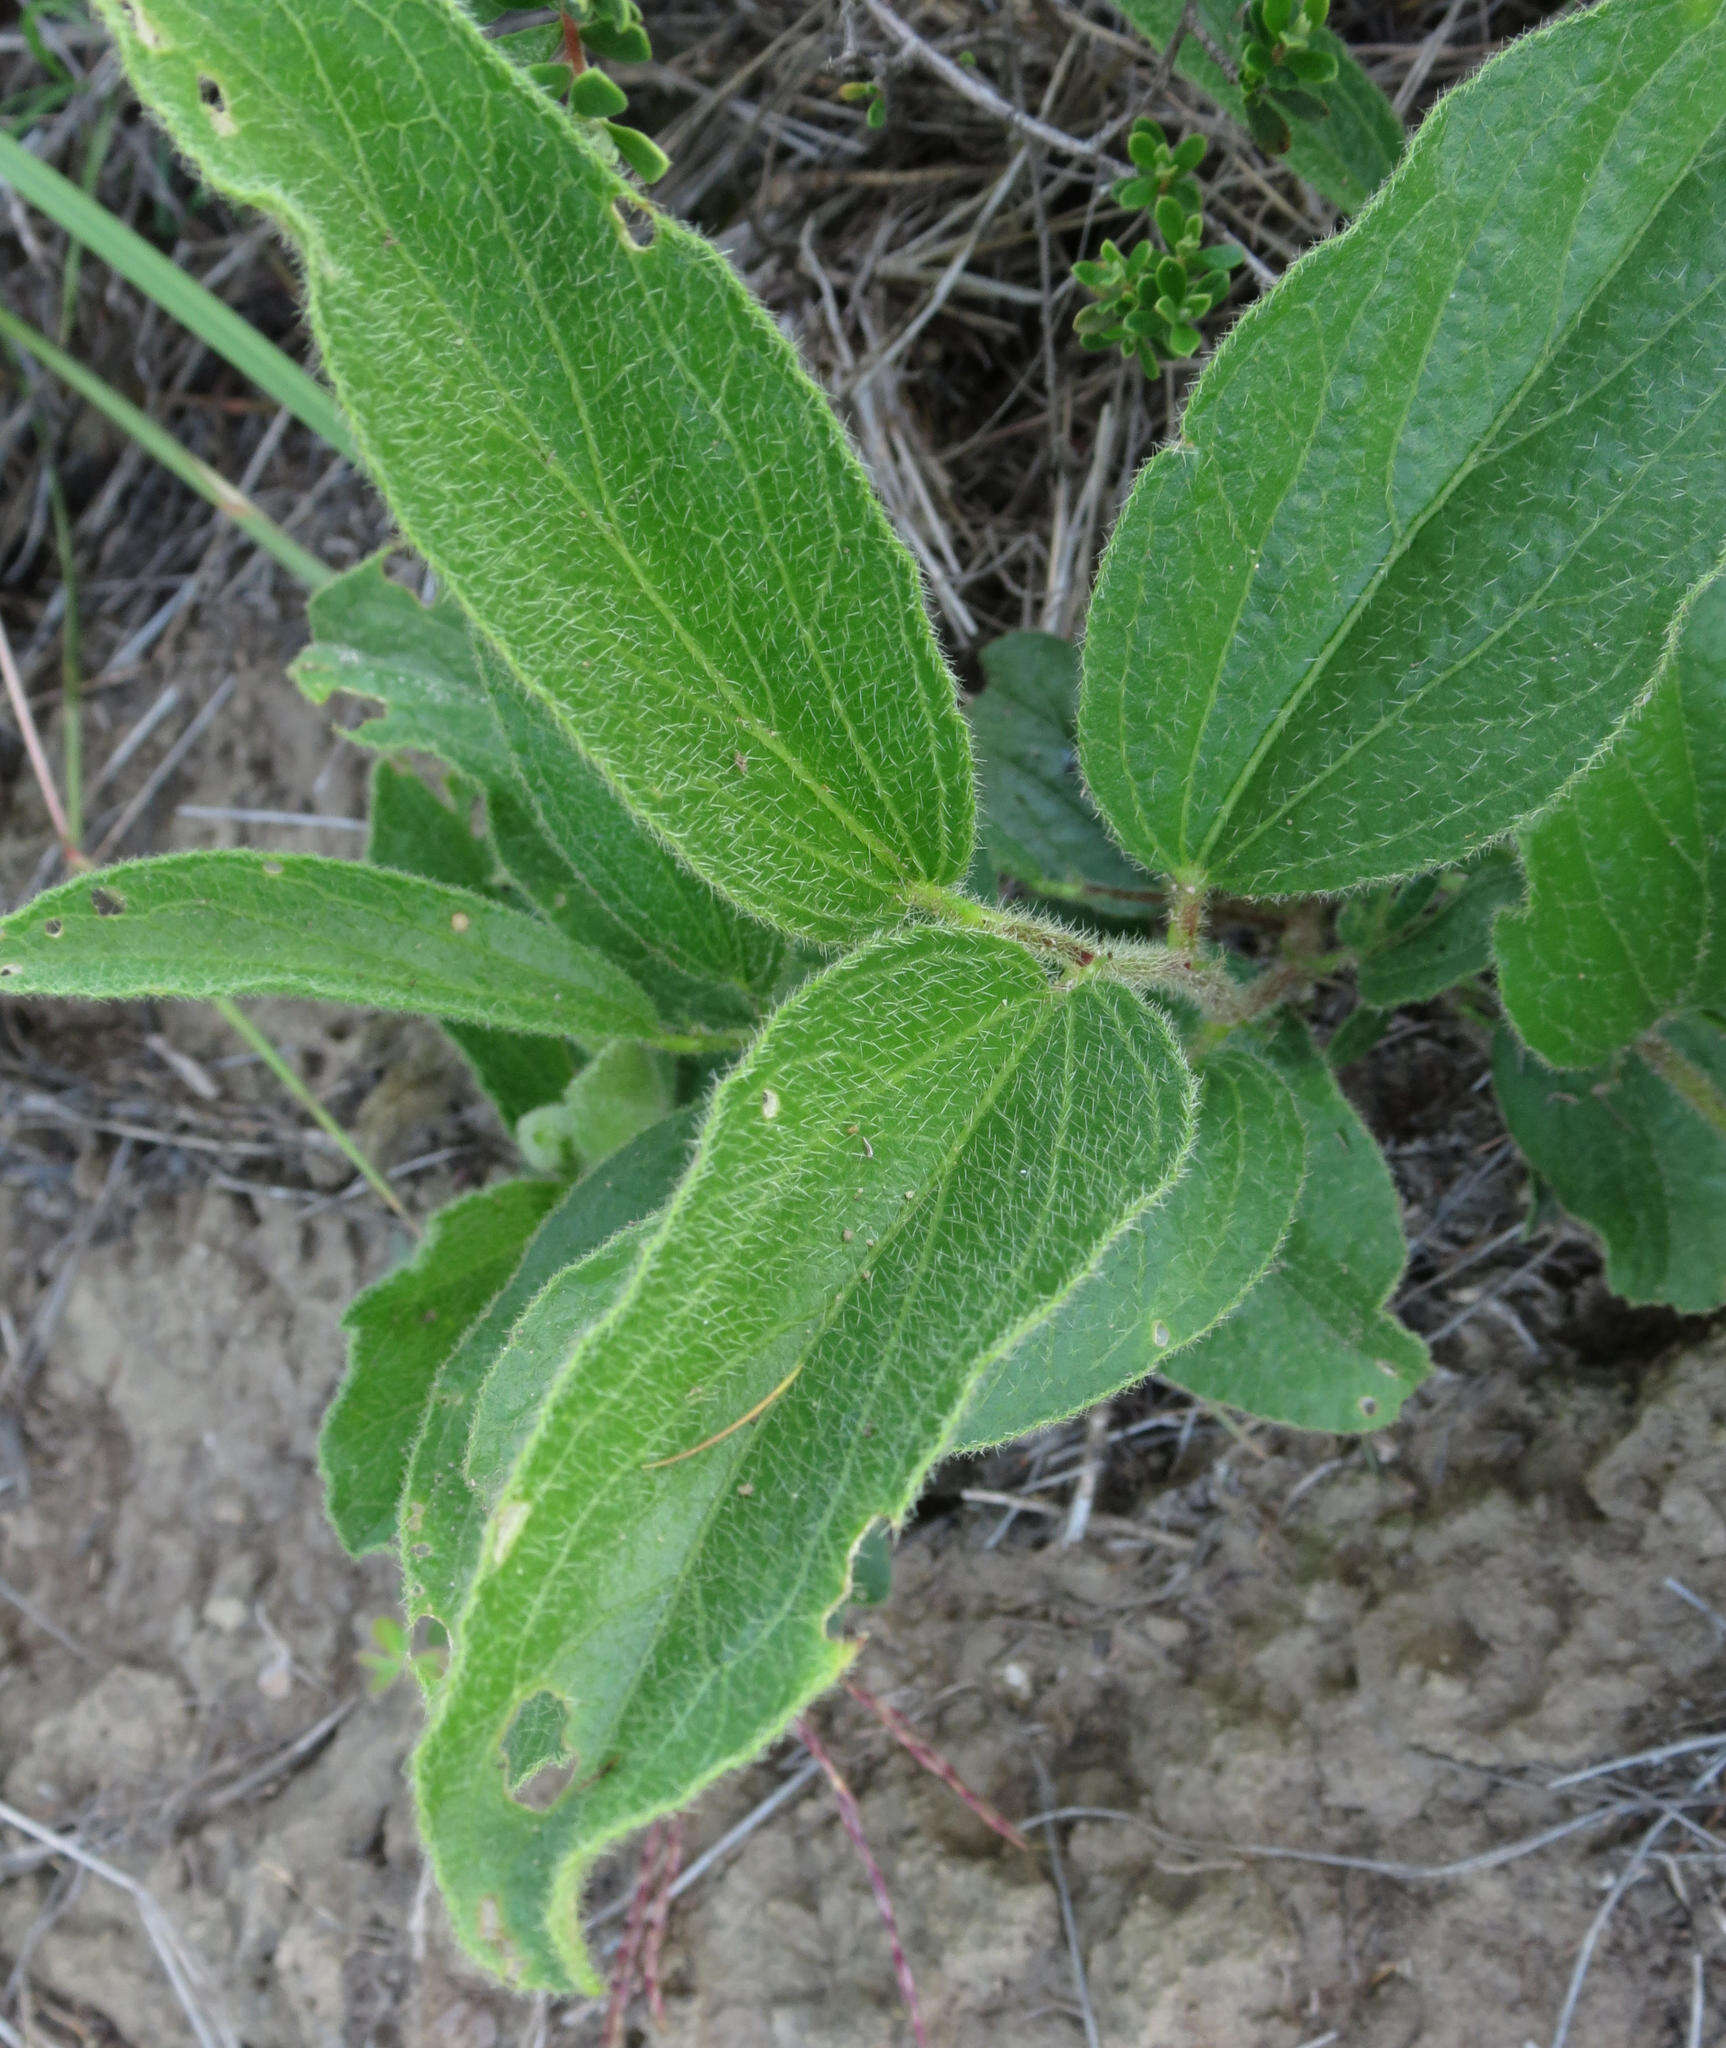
(1382, 1652)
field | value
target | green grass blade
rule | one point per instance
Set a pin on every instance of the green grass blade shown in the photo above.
(158, 442)
(216, 324)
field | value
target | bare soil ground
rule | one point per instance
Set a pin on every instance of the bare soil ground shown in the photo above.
(1298, 1706)
(1381, 1652)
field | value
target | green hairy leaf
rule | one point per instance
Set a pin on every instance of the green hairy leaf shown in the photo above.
(1416, 941)
(1036, 824)
(373, 638)
(1312, 1345)
(1635, 1147)
(1346, 155)
(592, 869)
(1441, 491)
(1627, 871)
(217, 924)
(563, 836)
(922, 1154)
(442, 1516)
(417, 834)
(1180, 1268)
(632, 488)
(400, 1332)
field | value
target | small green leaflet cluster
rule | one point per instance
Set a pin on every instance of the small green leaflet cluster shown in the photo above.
(865, 1167)
(611, 29)
(867, 93)
(1284, 65)
(1149, 302)
(1340, 134)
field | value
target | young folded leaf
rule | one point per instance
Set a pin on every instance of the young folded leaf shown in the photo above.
(1168, 1277)
(1036, 824)
(442, 1515)
(1312, 1345)
(1346, 155)
(400, 1332)
(1414, 942)
(371, 637)
(925, 1150)
(1637, 1149)
(230, 924)
(564, 837)
(1442, 490)
(1627, 871)
(416, 833)
(603, 443)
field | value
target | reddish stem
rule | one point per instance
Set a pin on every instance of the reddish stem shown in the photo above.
(573, 54)
(626, 1971)
(934, 1762)
(659, 1914)
(853, 1823)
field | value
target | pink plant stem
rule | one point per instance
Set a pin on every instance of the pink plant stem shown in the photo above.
(625, 1970)
(853, 1822)
(658, 1916)
(934, 1762)
(38, 759)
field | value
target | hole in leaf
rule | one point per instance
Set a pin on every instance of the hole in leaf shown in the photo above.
(11, 967)
(637, 221)
(216, 106)
(538, 1764)
(53, 928)
(107, 902)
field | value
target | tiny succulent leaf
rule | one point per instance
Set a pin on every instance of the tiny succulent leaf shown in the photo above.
(400, 1332)
(925, 1150)
(1627, 871)
(413, 831)
(1171, 1275)
(1036, 824)
(608, 410)
(1636, 1148)
(441, 1514)
(1314, 660)
(337, 931)
(1312, 1345)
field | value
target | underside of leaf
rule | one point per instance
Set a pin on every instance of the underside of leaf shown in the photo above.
(1180, 1268)
(928, 1147)
(603, 444)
